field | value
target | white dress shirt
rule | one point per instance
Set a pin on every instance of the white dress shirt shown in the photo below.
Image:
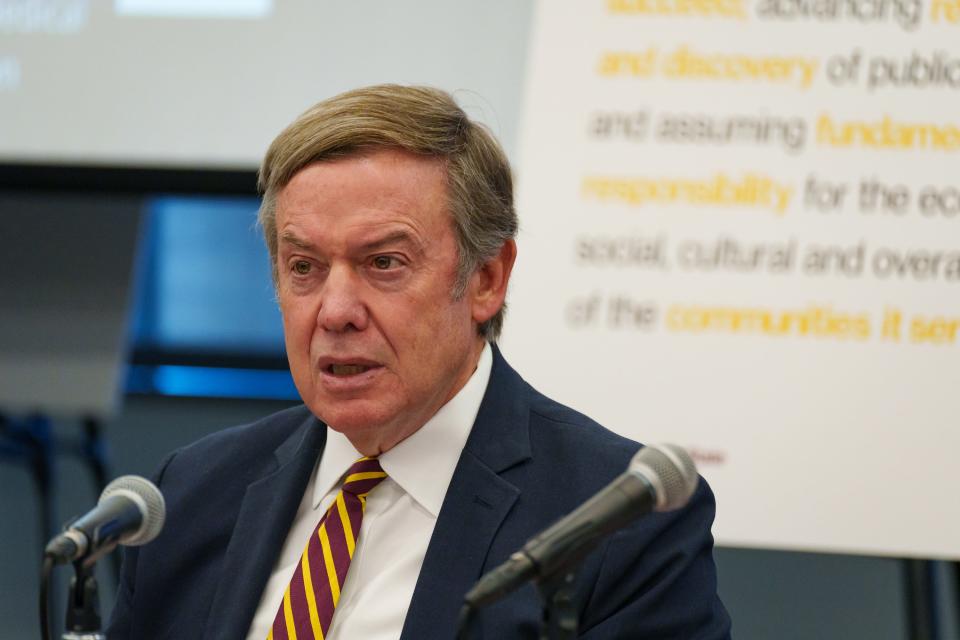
(397, 525)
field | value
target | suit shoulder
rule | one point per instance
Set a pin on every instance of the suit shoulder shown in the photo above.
(264, 432)
(239, 445)
(548, 431)
(549, 418)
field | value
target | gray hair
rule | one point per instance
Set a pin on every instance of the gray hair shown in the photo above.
(420, 120)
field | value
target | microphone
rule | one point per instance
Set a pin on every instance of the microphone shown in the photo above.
(130, 511)
(659, 478)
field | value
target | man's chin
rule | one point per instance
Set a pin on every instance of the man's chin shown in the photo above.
(346, 411)
(361, 425)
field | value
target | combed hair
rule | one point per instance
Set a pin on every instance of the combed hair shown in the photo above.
(419, 120)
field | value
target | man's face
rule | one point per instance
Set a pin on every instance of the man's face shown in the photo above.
(366, 265)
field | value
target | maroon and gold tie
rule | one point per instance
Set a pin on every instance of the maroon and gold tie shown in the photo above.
(314, 589)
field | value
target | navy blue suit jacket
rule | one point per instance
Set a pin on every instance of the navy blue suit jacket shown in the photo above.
(528, 461)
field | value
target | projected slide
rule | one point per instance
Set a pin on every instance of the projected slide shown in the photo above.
(742, 233)
(209, 83)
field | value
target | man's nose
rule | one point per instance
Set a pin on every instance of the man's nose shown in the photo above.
(341, 304)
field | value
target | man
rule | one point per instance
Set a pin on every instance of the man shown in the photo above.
(390, 223)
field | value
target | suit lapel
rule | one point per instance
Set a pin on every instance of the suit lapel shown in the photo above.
(262, 524)
(477, 501)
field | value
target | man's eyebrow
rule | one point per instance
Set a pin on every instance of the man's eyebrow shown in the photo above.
(289, 237)
(400, 236)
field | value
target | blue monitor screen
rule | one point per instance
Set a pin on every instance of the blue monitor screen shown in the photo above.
(205, 318)
(205, 284)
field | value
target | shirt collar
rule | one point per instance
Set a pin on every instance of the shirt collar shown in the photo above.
(423, 464)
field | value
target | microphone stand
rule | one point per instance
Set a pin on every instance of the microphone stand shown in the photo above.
(83, 609)
(560, 620)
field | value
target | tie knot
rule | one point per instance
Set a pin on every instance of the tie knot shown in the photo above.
(362, 476)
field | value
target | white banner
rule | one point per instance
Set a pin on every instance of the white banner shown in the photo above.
(741, 233)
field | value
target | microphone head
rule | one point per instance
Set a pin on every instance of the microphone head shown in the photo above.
(147, 498)
(670, 471)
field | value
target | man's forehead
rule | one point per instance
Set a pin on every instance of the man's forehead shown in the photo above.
(388, 196)
(395, 179)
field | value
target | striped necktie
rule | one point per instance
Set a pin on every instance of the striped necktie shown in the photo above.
(314, 590)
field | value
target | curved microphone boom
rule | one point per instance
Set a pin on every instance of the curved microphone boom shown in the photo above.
(659, 478)
(131, 511)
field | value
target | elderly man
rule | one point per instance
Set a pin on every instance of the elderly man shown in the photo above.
(420, 459)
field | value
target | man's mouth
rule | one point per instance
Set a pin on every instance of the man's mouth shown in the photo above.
(347, 369)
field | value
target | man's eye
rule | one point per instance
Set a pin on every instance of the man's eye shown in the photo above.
(301, 267)
(384, 262)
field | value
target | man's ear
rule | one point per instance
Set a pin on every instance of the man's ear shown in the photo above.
(488, 286)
